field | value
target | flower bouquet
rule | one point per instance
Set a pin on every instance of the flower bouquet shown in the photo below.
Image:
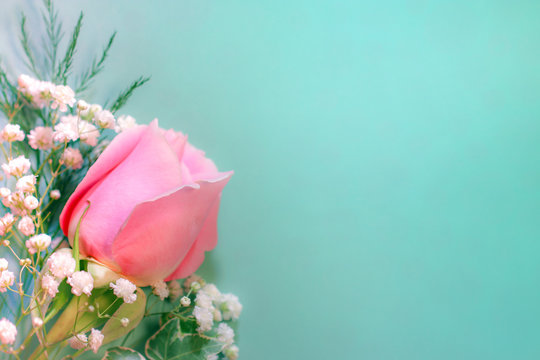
(100, 219)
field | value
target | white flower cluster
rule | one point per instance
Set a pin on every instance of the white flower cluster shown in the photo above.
(92, 341)
(60, 265)
(44, 93)
(7, 278)
(84, 126)
(8, 332)
(160, 289)
(125, 289)
(213, 306)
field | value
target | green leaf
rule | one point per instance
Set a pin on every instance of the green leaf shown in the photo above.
(77, 318)
(124, 96)
(113, 329)
(169, 343)
(122, 353)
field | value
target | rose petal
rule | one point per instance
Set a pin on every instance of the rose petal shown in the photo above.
(150, 170)
(206, 241)
(113, 155)
(200, 167)
(162, 239)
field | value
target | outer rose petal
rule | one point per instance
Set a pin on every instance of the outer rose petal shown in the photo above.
(152, 242)
(113, 155)
(150, 170)
(206, 241)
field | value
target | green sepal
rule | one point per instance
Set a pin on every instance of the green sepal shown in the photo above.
(76, 240)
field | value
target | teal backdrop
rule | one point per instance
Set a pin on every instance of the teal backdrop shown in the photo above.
(385, 202)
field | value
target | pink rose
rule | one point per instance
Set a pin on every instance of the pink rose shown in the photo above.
(154, 206)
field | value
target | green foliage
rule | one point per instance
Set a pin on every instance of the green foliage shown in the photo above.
(97, 66)
(66, 63)
(54, 33)
(124, 96)
(170, 343)
(113, 329)
(77, 318)
(25, 43)
(122, 353)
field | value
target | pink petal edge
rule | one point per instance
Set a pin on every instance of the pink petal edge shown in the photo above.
(147, 247)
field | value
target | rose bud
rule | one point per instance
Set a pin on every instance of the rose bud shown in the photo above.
(153, 204)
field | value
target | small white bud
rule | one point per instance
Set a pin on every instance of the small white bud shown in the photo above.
(4, 192)
(31, 202)
(195, 286)
(185, 301)
(124, 322)
(55, 194)
(37, 322)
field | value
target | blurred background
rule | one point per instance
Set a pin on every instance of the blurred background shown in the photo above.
(386, 196)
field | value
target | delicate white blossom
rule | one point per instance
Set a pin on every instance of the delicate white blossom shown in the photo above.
(3, 264)
(17, 167)
(55, 194)
(230, 306)
(81, 282)
(7, 278)
(37, 322)
(95, 340)
(38, 243)
(11, 133)
(104, 119)
(61, 264)
(62, 97)
(72, 158)
(4, 192)
(26, 184)
(6, 222)
(125, 289)
(204, 317)
(212, 291)
(225, 334)
(41, 138)
(185, 301)
(26, 226)
(82, 106)
(203, 300)
(124, 321)
(31, 202)
(193, 283)
(217, 315)
(50, 285)
(67, 129)
(39, 92)
(8, 332)
(89, 133)
(175, 290)
(231, 352)
(125, 122)
(159, 288)
(78, 341)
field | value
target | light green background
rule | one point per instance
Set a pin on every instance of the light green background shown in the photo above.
(386, 198)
